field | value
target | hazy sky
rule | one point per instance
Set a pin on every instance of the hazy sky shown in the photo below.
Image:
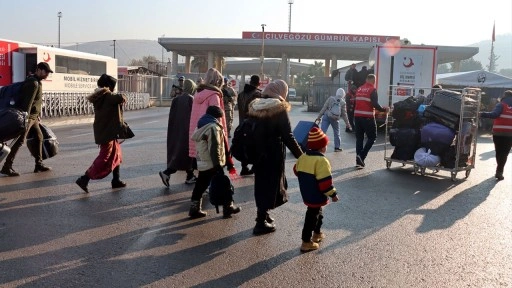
(437, 22)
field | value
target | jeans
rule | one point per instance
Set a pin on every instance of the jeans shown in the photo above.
(365, 126)
(326, 121)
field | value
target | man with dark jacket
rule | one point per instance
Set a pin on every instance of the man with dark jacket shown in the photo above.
(32, 100)
(245, 97)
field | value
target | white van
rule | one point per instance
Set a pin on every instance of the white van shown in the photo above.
(292, 93)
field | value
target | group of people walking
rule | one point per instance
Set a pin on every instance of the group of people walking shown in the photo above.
(199, 128)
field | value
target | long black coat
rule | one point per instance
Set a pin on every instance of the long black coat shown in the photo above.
(270, 182)
(177, 133)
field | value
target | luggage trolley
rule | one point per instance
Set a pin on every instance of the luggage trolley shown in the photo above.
(466, 119)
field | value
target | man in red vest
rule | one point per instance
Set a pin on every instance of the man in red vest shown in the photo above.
(501, 131)
(364, 118)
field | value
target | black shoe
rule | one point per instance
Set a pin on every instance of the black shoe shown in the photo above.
(41, 168)
(499, 176)
(82, 183)
(338, 149)
(246, 171)
(196, 210)
(9, 171)
(263, 227)
(348, 130)
(228, 210)
(118, 184)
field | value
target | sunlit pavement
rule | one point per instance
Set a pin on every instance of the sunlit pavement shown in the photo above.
(391, 227)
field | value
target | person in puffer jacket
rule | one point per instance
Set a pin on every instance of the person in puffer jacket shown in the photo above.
(334, 108)
(211, 158)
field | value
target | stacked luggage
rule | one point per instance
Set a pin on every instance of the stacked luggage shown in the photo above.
(437, 137)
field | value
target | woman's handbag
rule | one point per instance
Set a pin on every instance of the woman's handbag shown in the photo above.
(125, 132)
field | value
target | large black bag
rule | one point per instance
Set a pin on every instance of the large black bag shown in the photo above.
(246, 145)
(438, 115)
(221, 190)
(50, 143)
(12, 123)
(405, 113)
(10, 95)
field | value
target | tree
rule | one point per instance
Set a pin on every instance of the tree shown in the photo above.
(493, 59)
(443, 68)
(200, 63)
(144, 62)
(468, 65)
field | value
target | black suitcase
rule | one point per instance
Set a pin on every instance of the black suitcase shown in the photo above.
(441, 116)
(450, 101)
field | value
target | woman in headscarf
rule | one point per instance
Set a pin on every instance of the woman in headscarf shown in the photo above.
(270, 184)
(108, 118)
(178, 134)
(208, 94)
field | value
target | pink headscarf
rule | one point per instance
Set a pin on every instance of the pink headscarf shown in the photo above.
(276, 89)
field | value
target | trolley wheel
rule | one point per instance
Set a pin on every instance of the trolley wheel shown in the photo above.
(388, 164)
(467, 173)
(422, 171)
(454, 176)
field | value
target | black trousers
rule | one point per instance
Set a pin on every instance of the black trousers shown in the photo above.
(312, 223)
(203, 181)
(502, 146)
(9, 160)
(365, 126)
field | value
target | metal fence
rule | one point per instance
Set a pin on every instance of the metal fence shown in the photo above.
(319, 92)
(61, 104)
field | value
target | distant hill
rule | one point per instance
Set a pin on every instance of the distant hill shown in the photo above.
(126, 50)
(502, 48)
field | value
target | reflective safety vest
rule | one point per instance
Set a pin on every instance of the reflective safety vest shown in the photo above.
(503, 124)
(364, 107)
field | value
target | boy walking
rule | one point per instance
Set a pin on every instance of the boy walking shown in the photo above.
(315, 181)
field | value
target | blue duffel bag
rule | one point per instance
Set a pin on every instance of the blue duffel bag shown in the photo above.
(437, 137)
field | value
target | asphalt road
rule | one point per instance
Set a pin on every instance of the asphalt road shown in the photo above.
(391, 228)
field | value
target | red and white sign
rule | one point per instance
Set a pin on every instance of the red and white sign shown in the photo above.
(6, 49)
(292, 36)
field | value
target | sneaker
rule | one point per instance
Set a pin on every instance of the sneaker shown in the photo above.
(309, 246)
(318, 237)
(348, 130)
(9, 171)
(359, 162)
(338, 149)
(165, 178)
(191, 180)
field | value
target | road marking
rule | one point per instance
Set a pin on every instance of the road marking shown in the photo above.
(152, 122)
(79, 135)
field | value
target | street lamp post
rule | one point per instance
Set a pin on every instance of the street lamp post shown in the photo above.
(288, 68)
(114, 48)
(290, 2)
(59, 15)
(262, 48)
(162, 54)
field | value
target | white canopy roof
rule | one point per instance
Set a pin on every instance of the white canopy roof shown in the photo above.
(477, 78)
